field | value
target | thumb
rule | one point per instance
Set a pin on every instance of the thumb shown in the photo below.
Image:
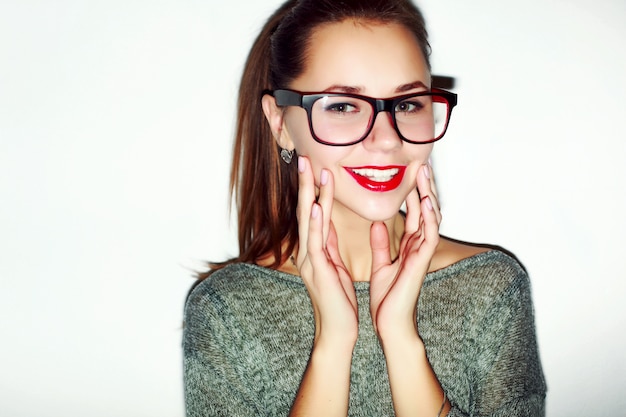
(379, 241)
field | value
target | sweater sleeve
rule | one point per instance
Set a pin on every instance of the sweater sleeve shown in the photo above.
(217, 380)
(506, 374)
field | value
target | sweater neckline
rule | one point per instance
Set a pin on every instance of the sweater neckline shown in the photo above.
(364, 285)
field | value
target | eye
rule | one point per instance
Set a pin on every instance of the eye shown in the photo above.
(409, 106)
(341, 108)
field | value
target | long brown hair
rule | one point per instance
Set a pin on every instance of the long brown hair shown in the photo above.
(266, 189)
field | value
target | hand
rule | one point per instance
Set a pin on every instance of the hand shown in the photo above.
(326, 278)
(395, 286)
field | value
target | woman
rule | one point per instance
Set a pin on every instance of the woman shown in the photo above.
(339, 303)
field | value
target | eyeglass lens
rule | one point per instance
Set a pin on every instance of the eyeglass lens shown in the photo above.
(342, 119)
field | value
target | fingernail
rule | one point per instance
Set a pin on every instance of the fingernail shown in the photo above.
(300, 164)
(324, 177)
(315, 211)
(429, 203)
(426, 171)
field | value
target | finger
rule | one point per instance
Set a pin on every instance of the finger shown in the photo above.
(433, 184)
(306, 198)
(413, 213)
(325, 200)
(425, 190)
(434, 192)
(379, 241)
(420, 248)
(431, 227)
(315, 243)
(332, 248)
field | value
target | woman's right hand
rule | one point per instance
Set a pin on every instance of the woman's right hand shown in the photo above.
(325, 386)
(326, 278)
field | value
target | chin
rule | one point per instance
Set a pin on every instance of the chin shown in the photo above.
(378, 213)
(372, 206)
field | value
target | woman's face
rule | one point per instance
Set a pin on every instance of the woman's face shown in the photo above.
(372, 177)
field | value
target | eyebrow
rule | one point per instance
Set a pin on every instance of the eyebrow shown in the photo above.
(357, 90)
(343, 89)
(411, 86)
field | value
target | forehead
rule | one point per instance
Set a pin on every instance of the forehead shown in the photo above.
(373, 57)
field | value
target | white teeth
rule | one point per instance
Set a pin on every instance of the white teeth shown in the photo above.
(378, 175)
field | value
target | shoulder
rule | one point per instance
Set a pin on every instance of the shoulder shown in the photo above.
(241, 303)
(220, 302)
(450, 251)
(239, 280)
(479, 268)
(489, 289)
(220, 289)
(241, 288)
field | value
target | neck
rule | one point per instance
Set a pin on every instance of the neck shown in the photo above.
(353, 234)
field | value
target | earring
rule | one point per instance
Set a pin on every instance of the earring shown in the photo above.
(286, 155)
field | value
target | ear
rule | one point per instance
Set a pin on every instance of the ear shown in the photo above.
(275, 118)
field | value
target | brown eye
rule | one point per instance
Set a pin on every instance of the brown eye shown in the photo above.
(341, 108)
(408, 107)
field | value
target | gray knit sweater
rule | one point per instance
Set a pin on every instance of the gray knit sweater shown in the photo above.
(249, 331)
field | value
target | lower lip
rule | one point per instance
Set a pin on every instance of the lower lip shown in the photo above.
(380, 187)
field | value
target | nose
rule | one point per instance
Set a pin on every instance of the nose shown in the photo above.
(383, 136)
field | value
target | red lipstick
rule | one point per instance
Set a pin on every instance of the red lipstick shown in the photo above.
(378, 178)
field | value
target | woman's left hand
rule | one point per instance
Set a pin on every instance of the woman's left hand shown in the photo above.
(395, 286)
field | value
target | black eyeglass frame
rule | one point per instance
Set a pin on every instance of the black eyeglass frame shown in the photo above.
(285, 97)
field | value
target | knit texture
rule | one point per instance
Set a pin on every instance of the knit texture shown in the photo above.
(249, 331)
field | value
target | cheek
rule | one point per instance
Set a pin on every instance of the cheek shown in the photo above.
(425, 151)
(417, 156)
(296, 124)
(320, 156)
(323, 157)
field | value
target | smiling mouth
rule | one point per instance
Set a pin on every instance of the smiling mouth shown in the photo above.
(379, 179)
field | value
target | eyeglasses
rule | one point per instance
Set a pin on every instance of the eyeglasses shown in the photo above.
(341, 119)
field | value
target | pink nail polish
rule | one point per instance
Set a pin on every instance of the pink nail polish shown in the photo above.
(324, 177)
(426, 171)
(300, 164)
(315, 211)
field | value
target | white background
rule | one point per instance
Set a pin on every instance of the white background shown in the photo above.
(116, 121)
